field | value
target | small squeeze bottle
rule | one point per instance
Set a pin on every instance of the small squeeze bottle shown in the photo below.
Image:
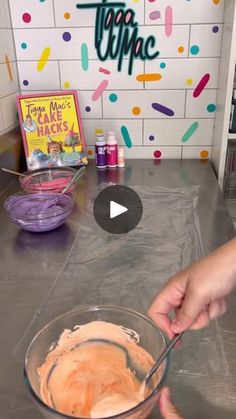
(121, 156)
(112, 151)
(100, 149)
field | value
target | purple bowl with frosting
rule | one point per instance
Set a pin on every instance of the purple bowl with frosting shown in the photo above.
(41, 211)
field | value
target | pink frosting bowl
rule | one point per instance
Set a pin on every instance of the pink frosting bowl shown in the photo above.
(47, 180)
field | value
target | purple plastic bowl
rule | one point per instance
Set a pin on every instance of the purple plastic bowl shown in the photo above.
(39, 212)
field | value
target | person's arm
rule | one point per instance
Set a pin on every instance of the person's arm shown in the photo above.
(197, 294)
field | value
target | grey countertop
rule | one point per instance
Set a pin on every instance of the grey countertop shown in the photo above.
(42, 275)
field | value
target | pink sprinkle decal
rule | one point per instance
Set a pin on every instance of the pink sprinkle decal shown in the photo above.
(201, 85)
(100, 89)
(168, 20)
(104, 70)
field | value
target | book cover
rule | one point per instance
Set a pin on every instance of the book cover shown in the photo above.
(51, 130)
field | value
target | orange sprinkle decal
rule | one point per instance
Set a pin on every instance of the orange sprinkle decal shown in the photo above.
(9, 69)
(149, 77)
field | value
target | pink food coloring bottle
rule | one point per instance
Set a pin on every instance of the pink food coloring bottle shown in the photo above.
(112, 150)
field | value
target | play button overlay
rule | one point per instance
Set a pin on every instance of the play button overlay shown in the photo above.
(118, 209)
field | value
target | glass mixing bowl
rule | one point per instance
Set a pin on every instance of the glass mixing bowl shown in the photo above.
(151, 339)
(47, 180)
(38, 212)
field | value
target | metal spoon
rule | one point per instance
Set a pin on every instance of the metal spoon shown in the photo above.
(159, 361)
(75, 178)
(12, 172)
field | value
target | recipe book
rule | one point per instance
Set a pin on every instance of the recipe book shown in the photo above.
(51, 129)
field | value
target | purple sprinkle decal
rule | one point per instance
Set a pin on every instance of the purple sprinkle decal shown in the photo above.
(163, 109)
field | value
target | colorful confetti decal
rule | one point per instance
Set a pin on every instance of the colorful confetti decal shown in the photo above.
(148, 77)
(104, 70)
(168, 21)
(26, 17)
(189, 82)
(194, 49)
(211, 108)
(8, 65)
(113, 97)
(204, 154)
(126, 136)
(201, 85)
(136, 110)
(66, 36)
(190, 131)
(100, 89)
(44, 58)
(181, 49)
(157, 154)
(67, 15)
(155, 15)
(84, 57)
(163, 109)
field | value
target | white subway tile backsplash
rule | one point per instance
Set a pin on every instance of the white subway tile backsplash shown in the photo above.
(203, 106)
(173, 132)
(169, 46)
(25, 14)
(145, 104)
(197, 152)
(8, 79)
(134, 129)
(189, 12)
(7, 49)
(166, 106)
(184, 73)
(9, 110)
(67, 15)
(31, 79)
(73, 75)
(154, 153)
(207, 38)
(5, 18)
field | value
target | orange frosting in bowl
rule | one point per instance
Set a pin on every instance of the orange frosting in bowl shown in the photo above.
(91, 372)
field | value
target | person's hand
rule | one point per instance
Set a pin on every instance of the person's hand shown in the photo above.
(197, 295)
(167, 408)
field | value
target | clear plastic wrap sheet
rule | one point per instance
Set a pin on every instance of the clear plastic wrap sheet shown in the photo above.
(127, 269)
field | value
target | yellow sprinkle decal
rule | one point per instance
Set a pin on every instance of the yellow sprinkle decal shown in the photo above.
(44, 58)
